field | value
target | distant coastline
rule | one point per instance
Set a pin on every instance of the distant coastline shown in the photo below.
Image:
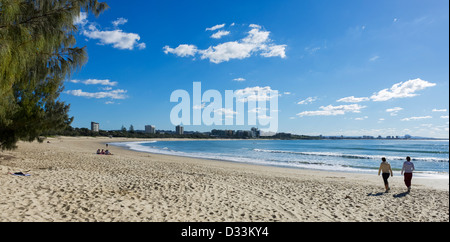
(219, 134)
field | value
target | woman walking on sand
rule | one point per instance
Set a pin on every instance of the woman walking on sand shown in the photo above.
(386, 170)
(407, 170)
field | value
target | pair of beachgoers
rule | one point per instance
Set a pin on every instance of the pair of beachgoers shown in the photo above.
(103, 152)
(407, 171)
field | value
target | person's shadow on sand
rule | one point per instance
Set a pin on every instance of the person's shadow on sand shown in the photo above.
(375, 194)
(403, 194)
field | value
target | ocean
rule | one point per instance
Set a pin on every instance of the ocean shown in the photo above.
(430, 157)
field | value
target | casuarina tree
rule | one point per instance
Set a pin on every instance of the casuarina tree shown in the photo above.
(37, 54)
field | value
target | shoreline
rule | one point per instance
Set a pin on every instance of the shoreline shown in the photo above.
(419, 175)
(69, 182)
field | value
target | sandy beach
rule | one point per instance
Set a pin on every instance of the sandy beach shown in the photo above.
(69, 182)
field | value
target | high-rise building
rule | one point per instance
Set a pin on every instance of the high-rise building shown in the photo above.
(149, 129)
(255, 133)
(179, 129)
(95, 127)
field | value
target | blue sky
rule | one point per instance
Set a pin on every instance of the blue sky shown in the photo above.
(353, 67)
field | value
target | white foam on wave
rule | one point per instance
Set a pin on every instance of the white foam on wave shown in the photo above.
(353, 156)
(433, 175)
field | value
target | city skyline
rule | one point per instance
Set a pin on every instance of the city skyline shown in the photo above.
(255, 132)
(340, 68)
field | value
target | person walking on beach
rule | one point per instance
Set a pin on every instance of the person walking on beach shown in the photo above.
(407, 170)
(386, 170)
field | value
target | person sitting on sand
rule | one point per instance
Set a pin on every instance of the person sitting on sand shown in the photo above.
(385, 167)
(98, 152)
(107, 152)
(103, 152)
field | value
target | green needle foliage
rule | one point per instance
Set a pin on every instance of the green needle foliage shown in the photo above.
(37, 53)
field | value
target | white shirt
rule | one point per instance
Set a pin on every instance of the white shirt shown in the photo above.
(408, 167)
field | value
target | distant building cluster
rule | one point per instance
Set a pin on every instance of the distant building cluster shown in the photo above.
(179, 130)
(407, 136)
(252, 133)
(150, 129)
(245, 134)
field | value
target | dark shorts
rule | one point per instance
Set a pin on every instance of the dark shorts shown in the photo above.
(408, 177)
(386, 177)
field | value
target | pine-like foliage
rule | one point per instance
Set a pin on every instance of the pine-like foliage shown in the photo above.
(37, 53)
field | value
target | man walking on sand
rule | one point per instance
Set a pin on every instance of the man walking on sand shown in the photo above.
(407, 170)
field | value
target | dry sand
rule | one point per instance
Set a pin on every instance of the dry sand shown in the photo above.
(69, 182)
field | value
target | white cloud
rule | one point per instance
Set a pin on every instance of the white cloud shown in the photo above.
(220, 34)
(100, 82)
(331, 110)
(256, 37)
(444, 117)
(439, 110)
(141, 46)
(256, 41)
(275, 50)
(264, 116)
(394, 111)
(216, 27)
(96, 82)
(113, 94)
(258, 110)
(81, 19)
(240, 79)
(227, 51)
(308, 100)
(374, 58)
(416, 118)
(199, 107)
(182, 50)
(402, 90)
(120, 21)
(362, 118)
(262, 112)
(353, 99)
(107, 90)
(226, 111)
(255, 26)
(255, 94)
(117, 38)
